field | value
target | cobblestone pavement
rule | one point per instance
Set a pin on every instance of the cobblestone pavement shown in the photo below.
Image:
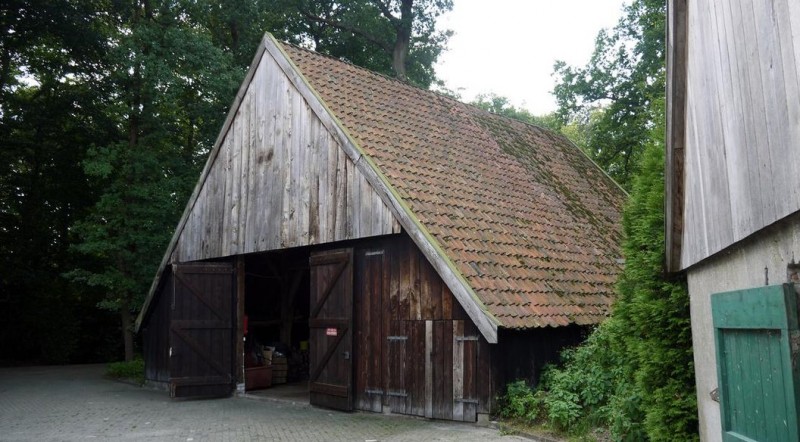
(72, 403)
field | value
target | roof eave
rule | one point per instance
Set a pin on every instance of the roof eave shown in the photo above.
(676, 131)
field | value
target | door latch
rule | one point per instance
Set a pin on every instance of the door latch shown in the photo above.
(346, 354)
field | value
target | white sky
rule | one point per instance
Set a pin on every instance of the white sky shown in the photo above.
(508, 47)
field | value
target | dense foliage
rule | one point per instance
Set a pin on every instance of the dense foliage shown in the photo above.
(611, 97)
(634, 375)
(107, 112)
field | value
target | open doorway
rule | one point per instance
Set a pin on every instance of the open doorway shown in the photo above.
(276, 349)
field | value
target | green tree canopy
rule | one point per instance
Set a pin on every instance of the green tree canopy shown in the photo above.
(393, 37)
(612, 95)
(107, 112)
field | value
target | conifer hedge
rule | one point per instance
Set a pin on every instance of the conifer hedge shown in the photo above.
(635, 374)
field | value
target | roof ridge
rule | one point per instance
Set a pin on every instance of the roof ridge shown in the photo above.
(429, 91)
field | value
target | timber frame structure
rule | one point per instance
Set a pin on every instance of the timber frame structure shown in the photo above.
(445, 250)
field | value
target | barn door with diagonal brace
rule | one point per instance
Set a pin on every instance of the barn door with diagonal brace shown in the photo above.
(331, 324)
(201, 330)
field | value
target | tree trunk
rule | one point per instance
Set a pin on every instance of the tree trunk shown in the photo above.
(402, 43)
(127, 331)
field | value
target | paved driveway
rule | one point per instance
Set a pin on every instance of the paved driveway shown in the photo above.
(77, 403)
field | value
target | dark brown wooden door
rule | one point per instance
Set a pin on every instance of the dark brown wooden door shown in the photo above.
(201, 330)
(331, 323)
(369, 293)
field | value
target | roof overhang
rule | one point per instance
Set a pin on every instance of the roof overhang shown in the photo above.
(676, 131)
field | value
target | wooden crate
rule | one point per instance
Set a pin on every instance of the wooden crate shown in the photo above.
(256, 378)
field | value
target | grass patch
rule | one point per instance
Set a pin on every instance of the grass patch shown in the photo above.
(132, 371)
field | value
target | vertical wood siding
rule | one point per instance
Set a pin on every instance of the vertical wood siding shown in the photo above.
(155, 336)
(279, 180)
(417, 351)
(742, 121)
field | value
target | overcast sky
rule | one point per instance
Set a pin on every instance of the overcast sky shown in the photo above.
(509, 46)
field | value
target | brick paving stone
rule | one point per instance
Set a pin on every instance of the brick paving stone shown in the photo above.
(72, 403)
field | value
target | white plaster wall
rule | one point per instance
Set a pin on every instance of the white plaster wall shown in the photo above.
(736, 269)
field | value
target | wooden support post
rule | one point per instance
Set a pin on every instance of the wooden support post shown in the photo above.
(239, 347)
(429, 369)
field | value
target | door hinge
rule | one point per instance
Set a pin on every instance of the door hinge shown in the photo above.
(397, 338)
(368, 391)
(466, 338)
(399, 393)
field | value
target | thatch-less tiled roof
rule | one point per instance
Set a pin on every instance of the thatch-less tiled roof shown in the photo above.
(530, 222)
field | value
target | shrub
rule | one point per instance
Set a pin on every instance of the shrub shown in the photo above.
(132, 370)
(520, 402)
(634, 374)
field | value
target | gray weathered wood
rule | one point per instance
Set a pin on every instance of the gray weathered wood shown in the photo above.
(458, 371)
(358, 196)
(429, 369)
(742, 128)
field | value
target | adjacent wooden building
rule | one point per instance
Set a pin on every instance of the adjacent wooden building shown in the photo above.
(733, 207)
(424, 250)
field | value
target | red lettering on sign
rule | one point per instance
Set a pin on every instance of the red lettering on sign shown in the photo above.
(332, 331)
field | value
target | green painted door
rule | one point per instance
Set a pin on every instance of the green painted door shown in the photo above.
(756, 337)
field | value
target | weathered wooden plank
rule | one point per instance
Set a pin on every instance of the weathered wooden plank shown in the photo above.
(760, 144)
(240, 313)
(328, 196)
(458, 370)
(404, 280)
(266, 150)
(776, 108)
(447, 303)
(306, 172)
(747, 133)
(397, 390)
(785, 12)
(341, 219)
(387, 262)
(415, 289)
(234, 204)
(470, 367)
(274, 208)
(287, 165)
(430, 291)
(484, 379)
(429, 369)
(245, 174)
(416, 380)
(729, 107)
(363, 209)
(443, 370)
(353, 197)
(250, 189)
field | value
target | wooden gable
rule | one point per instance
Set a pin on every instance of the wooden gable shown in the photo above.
(734, 123)
(277, 179)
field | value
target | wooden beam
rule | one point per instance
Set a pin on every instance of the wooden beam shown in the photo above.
(677, 37)
(240, 293)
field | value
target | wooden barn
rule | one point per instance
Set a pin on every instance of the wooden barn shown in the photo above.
(733, 208)
(401, 250)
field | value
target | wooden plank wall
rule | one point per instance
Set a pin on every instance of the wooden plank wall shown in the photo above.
(155, 336)
(742, 121)
(417, 351)
(280, 180)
